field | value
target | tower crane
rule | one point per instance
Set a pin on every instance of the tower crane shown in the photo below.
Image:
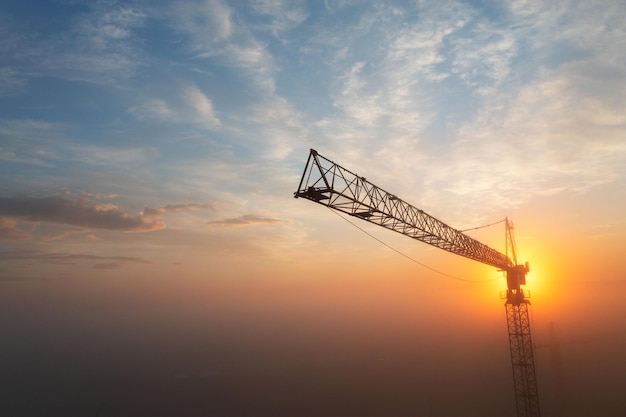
(331, 185)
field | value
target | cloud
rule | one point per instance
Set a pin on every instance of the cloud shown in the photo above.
(201, 105)
(85, 212)
(194, 106)
(209, 21)
(279, 123)
(388, 71)
(100, 47)
(284, 15)
(10, 80)
(59, 209)
(153, 109)
(564, 128)
(28, 141)
(67, 257)
(108, 265)
(482, 57)
(98, 44)
(214, 33)
(175, 208)
(245, 220)
(42, 143)
(189, 207)
(9, 230)
(486, 112)
(553, 136)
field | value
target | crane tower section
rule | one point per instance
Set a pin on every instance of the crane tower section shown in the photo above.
(333, 186)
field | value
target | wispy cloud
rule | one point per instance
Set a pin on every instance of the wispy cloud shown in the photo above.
(49, 144)
(154, 109)
(189, 207)
(537, 125)
(101, 46)
(210, 21)
(214, 33)
(9, 230)
(482, 56)
(561, 130)
(108, 265)
(282, 15)
(201, 105)
(28, 141)
(245, 220)
(387, 69)
(10, 80)
(192, 106)
(66, 257)
(279, 124)
(98, 45)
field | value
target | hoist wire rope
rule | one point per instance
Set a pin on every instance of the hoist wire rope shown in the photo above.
(482, 227)
(410, 258)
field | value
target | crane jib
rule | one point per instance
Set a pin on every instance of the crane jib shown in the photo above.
(334, 186)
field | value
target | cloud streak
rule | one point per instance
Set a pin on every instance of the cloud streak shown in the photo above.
(99, 45)
(67, 258)
(76, 212)
(83, 212)
(214, 33)
(245, 220)
(202, 106)
(189, 207)
(192, 106)
(10, 230)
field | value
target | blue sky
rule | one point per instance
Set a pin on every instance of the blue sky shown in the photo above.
(175, 103)
(165, 139)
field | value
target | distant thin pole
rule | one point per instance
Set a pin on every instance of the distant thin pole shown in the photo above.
(430, 405)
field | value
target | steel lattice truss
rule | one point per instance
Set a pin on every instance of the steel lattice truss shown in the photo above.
(524, 377)
(331, 185)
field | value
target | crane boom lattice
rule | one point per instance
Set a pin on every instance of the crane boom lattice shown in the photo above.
(333, 186)
(329, 184)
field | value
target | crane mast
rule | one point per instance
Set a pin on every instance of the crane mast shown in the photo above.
(333, 186)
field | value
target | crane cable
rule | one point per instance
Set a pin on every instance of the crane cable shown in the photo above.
(481, 227)
(412, 259)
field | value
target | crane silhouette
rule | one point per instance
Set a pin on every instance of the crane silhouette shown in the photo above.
(329, 184)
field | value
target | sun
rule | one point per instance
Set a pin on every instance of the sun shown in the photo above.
(539, 277)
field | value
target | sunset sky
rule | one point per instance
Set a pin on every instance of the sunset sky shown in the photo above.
(153, 260)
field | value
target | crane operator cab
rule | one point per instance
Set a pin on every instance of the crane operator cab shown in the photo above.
(515, 278)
